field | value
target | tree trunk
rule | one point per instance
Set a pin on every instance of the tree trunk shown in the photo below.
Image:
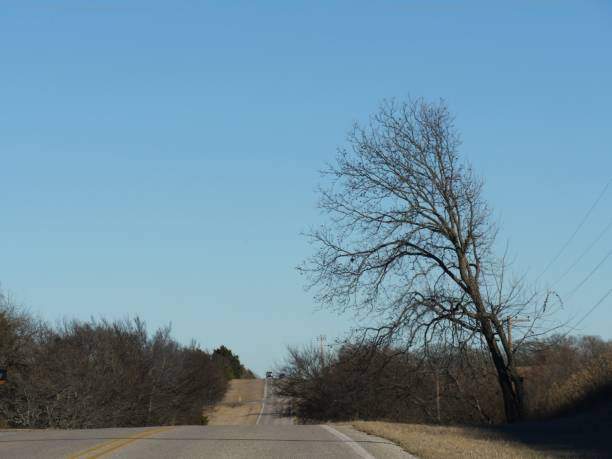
(510, 383)
(512, 392)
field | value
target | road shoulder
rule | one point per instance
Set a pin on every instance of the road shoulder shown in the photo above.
(433, 441)
(375, 447)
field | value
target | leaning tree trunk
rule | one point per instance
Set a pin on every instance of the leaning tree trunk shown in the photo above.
(510, 383)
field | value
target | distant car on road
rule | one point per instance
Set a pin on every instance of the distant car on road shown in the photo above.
(281, 375)
(268, 374)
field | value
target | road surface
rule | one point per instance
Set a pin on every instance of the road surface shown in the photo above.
(273, 436)
(275, 410)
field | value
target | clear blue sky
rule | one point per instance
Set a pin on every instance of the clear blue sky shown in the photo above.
(160, 158)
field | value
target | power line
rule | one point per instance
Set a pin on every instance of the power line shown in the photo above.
(578, 228)
(593, 271)
(583, 254)
(590, 311)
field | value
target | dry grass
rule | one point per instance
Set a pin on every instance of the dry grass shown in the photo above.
(580, 387)
(240, 406)
(428, 442)
(581, 425)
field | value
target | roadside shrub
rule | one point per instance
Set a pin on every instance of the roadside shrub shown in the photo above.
(370, 384)
(563, 373)
(101, 374)
(581, 389)
(234, 369)
(448, 385)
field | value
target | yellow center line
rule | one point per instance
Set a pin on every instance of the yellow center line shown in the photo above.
(93, 448)
(117, 443)
(130, 440)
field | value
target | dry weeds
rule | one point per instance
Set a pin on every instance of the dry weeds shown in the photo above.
(580, 386)
(429, 442)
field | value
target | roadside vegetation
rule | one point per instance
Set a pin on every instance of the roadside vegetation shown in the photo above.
(232, 366)
(410, 247)
(562, 375)
(98, 373)
(580, 428)
(450, 335)
(446, 404)
(434, 442)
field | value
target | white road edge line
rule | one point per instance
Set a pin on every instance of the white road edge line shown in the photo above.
(349, 442)
(263, 402)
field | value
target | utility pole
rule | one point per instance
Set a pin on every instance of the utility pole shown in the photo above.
(321, 339)
(438, 395)
(435, 374)
(509, 332)
(509, 322)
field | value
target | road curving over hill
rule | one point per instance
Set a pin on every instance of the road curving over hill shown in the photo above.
(241, 405)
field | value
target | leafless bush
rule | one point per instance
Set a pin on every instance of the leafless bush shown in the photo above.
(443, 385)
(564, 373)
(101, 374)
(369, 383)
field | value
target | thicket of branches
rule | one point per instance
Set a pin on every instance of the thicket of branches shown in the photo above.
(446, 385)
(102, 374)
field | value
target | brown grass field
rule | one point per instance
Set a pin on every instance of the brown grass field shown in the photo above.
(240, 406)
(584, 434)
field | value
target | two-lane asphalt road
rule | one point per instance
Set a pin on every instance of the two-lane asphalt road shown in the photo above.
(275, 409)
(274, 436)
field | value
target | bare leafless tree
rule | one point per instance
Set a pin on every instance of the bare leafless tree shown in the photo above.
(410, 240)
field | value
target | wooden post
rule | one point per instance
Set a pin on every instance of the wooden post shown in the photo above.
(321, 349)
(509, 332)
(438, 396)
